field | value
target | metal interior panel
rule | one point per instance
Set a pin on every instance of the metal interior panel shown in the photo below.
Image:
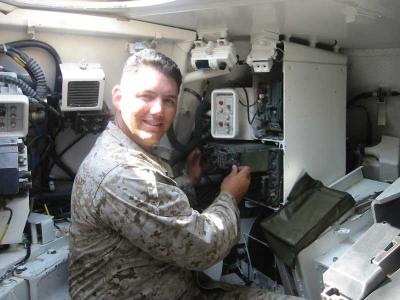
(314, 121)
(14, 288)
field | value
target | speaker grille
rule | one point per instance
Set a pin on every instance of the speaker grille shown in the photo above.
(83, 93)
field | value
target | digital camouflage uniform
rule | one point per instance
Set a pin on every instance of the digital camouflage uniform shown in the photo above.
(134, 234)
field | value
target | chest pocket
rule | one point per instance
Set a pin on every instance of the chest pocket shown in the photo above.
(164, 179)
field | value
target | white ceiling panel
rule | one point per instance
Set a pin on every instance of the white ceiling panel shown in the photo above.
(353, 23)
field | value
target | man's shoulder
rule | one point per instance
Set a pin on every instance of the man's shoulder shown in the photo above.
(111, 162)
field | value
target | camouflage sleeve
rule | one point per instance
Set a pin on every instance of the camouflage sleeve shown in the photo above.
(185, 184)
(157, 218)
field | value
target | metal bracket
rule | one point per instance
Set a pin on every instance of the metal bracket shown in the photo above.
(282, 146)
(279, 143)
(30, 30)
(213, 34)
(381, 113)
(382, 93)
(389, 258)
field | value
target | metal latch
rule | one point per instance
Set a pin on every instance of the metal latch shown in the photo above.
(389, 258)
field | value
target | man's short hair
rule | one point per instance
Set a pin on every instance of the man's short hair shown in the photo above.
(154, 59)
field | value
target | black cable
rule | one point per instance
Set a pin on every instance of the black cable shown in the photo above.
(326, 46)
(360, 96)
(53, 101)
(49, 49)
(45, 164)
(73, 143)
(254, 116)
(365, 95)
(194, 93)
(247, 98)
(43, 154)
(7, 224)
(37, 138)
(10, 271)
(26, 89)
(31, 66)
(37, 44)
(40, 79)
(57, 160)
(23, 77)
(31, 143)
(27, 245)
(369, 123)
(196, 139)
(278, 53)
(247, 106)
(380, 93)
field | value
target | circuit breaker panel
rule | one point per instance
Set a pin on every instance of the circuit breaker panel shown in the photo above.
(276, 125)
(241, 117)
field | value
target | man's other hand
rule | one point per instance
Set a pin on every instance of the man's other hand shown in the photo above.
(193, 167)
(237, 182)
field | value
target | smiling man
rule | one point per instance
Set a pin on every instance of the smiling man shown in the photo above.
(133, 233)
(147, 104)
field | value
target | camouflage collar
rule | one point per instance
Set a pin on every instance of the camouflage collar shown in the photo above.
(122, 138)
(114, 131)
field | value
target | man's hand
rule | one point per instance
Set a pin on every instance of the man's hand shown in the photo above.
(193, 167)
(237, 182)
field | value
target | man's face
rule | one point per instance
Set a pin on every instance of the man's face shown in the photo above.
(147, 105)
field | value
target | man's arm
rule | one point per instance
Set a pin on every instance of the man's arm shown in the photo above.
(157, 218)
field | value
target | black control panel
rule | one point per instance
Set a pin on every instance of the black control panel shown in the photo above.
(264, 160)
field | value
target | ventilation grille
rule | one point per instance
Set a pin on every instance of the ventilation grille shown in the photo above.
(83, 93)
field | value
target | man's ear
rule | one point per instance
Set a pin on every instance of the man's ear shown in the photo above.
(116, 97)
